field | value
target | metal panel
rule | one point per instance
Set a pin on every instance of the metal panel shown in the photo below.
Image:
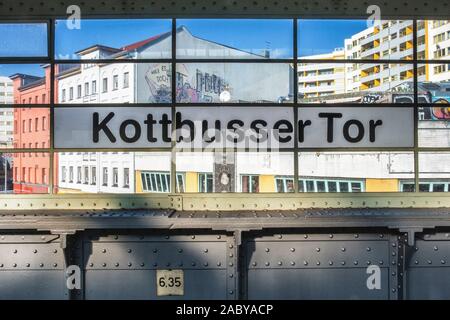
(428, 269)
(124, 266)
(31, 267)
(330, 266)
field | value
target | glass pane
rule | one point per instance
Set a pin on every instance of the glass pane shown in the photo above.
(355, 39)
(235, 171)
(144, 172)
(24, 84)
(24, 173)
(23, 40)
(234, 82)
(24, 128)
(434, 171)
(113, 38)
(232, 38)
(114, 83)
(355, 83)
(356, 171)
(433, 39)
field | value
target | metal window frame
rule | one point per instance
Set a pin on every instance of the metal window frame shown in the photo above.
(176, 199)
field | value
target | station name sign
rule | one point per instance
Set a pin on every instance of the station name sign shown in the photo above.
(234, 127)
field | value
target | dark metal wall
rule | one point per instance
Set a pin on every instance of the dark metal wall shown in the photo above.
(301, 264)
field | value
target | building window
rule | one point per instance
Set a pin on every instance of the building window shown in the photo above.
(86, 174)
(426, 186)
(78, 174)
(43, 123)
(105, 176)
(105, 84)
(29, 125)
(63, 95)
(36, 124)
(126, 177)
(115, 82)
(63, 174)
(94, 87)
(43, 98)
(71, 174)
(330, 185)
(44, 176)
(160, 181)
(23, 126)
(126, 79)
(250, 183)
(284, 184)
(93, 175)
(71, 93)
(79, 91)
(205, 182)
(86, 88)
(115, 177)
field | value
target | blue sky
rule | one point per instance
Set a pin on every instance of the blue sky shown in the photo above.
(255, 35)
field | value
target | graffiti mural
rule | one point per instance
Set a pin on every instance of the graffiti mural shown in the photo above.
(371, 98)
(441, 112)
(158, 79)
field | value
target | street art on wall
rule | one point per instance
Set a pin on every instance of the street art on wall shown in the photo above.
(157, 77)
(441, 112)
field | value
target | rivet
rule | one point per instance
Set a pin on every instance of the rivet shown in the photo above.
(156, 264)
(305, 263)
(292, 249)
(435, 248)
(231, 292)
(343, 249)
(219, 264)
(104, 264)
(34, 251)
(394, 290)
(330, 263)
(368, 262)
(104, 250)
(192, 237)
(117, 264)
(416, 262)
(231, 264)
(254, 264)
(231, 246)
(14, 265)
(155, 250)
(393, 273)
(394, 254)
(305, 236)
(393, 244)
(91, 264)
(28, 265)
(180, 250)
(280, 263)
(343, 263)
(231, 255)
(267, 249)
(429, 262)
(55, 265)
(1, 265)
(331, 236)
(231, 275)
(318, 263)
(55, 251)
(318, 249)
(356, 235)
(129, 264)
(368, 249)
(205, 251)
(41, 265)
(380, 262)
(129, 250)
(355, 262)
(219, 237)
(280, 236)
(443, 261)
(15, 251)
(292, 263)
(267, 264)
(205, 264)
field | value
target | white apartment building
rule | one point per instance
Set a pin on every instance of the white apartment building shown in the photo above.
(6, 114)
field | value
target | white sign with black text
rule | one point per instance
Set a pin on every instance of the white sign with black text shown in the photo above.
(240, 127)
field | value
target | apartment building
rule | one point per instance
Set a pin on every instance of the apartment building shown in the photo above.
(6, 114)
(31, 131)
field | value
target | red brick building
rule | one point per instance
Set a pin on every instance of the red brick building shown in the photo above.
(31, 131)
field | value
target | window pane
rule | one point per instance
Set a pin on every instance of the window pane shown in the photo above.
(433, 38)
(113, 172)
(150, 83)
(23, 40)
(355, 83)
(24, 128)
(234, 82)
(356, 171)
(353, 39)
(232, 38)
(434, 171)
(24, 84)
(24, 173)
(235, 172)
(113, 38)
